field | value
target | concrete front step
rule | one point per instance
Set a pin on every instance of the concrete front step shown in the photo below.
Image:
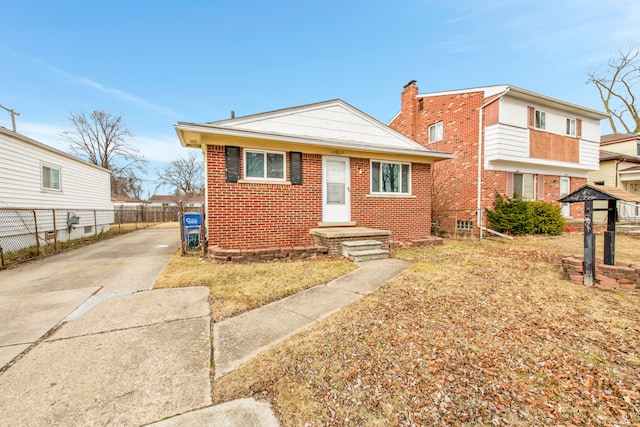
(368, 255)
(364, 250)
(359, 245)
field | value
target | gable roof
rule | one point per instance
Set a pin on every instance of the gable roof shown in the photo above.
(331, 123)
(610, 155)
(599, 192)
(499, 91)
(613, 138)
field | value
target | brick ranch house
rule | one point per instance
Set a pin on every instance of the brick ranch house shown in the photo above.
(278, 183)
(506, 140)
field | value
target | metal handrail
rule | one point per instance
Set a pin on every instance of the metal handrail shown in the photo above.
(628, 211)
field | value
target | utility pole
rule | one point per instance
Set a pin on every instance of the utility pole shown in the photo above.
(13, 115)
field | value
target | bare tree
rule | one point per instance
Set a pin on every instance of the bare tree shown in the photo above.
(618, 88)
(103, 139)
(185, 175)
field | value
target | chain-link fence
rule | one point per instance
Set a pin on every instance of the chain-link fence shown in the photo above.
(30, 233)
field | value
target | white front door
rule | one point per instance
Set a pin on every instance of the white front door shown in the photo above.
(564, 191)
(335, 189)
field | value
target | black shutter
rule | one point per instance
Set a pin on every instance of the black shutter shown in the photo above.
(232, 163)
(295, 167)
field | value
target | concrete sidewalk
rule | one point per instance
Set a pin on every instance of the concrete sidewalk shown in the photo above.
(128, 355)
(240, 338)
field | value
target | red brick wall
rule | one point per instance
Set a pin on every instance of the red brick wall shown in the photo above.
(408, 218)
(250, 216)
(455, 181)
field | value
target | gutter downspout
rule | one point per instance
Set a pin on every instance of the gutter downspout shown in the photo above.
(479, 179)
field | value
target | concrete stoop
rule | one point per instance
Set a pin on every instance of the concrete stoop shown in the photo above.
(364, 250)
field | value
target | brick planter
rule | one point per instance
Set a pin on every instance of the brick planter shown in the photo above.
(252, 255)
(622, 276)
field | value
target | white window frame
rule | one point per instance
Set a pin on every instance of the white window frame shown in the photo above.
(533, 186)
(387, 193)
(438, 132)
(50, 168)
(265, 153)
(571, 127)
(539, 119)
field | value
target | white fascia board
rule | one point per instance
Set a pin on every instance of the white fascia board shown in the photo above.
(527, 95)
(313, 142)
(488, 91)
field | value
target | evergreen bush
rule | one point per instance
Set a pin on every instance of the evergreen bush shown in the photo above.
(517, 217)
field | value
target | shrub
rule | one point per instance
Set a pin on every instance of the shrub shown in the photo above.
(516, 217)
(547, 219)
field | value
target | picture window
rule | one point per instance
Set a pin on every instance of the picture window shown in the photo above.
(390, 177)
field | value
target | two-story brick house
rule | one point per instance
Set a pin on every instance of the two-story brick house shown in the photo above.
(506, 140)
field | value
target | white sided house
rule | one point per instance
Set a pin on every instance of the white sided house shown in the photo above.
(39, 183)
(533, 133)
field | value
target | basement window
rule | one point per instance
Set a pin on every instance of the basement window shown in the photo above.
(464, 225)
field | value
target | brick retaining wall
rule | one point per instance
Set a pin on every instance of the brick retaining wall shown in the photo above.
(622, 276)
(269, 254)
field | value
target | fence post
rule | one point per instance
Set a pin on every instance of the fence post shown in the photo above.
(95, 224)
(55, 231)
(203, 232)
(183, 245)
(35, 221)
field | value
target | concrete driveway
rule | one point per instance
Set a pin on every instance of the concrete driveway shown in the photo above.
(37, 296)
(84, 341)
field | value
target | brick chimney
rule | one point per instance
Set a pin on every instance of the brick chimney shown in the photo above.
(408, 107)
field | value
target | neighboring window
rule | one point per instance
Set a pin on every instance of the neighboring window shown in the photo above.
(268, 165)
(435, 132)
(464, 225)
(524, 185)
(571, 127)
(50, 178)
(638, 149)
(390, 177)
(539, 122)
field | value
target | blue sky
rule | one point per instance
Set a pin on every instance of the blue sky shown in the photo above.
(157, 63)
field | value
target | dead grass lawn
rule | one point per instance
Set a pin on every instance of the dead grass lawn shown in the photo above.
(236, 288)
(469, 335)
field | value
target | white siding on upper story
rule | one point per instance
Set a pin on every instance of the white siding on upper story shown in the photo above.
(507, 143)
(513, 112)
(82, 186)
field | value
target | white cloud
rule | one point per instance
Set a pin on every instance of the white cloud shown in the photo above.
(45, 133)
(87, 82)
(160, 148)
